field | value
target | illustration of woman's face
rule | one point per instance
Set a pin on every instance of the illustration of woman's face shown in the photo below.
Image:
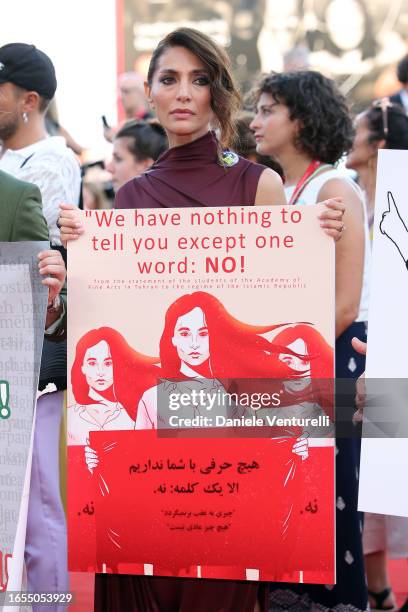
(298, 365)
(97, 366)
(191, 338)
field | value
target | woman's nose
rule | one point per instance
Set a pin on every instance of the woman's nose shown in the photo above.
(184, 92)
(254, 124)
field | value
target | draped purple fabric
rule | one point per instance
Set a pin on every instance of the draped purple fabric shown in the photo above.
(190, 175)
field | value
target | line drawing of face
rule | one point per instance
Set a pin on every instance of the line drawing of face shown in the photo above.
(301, 366)
(97, 366)
(191, 338)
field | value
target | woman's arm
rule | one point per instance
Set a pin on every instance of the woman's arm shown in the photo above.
(270, 192)
(349, 253)
(270, 189)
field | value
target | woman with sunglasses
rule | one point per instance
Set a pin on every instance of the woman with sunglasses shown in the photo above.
(383, 125)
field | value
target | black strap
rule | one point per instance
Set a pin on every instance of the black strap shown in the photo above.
(380, 598)
(26, 160)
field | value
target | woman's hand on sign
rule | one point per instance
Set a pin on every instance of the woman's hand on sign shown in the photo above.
(69, 223)
(301, 447)
(51, 265)
(361, 394)
(91, 458)
(331, 217)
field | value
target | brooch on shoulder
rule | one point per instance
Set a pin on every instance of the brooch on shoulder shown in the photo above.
(228, 158)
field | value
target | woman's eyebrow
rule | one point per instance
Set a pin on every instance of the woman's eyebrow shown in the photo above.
(183, 329)
(267, 106)
(172, 71)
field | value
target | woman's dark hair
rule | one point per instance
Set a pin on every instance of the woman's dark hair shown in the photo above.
(225, 97)
(402, 70)
(245, 144)
(326, 129)
(396, 134)
(147, 139)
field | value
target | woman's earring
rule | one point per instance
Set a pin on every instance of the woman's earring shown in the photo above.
(25, 117)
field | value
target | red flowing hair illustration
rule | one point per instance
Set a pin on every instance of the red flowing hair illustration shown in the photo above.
(240, 351)
(133, 372)
(237, 349)
(319, 352)
(320, 355)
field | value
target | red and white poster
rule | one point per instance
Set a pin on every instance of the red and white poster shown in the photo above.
(200, 400)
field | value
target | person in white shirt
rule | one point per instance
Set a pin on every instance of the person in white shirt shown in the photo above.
(27, 85)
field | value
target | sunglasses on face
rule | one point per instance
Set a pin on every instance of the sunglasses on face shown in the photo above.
(384, 104)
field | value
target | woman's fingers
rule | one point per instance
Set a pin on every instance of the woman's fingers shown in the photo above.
(301, 447)
(361, 392)
(91, 458)
(51, 265)
(333, 207)
(331, 217)
(361, 397)
(68, 222)
(359, 346)
(333, 228)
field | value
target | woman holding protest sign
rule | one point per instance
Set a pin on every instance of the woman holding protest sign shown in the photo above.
(303, 121)
(190, 86)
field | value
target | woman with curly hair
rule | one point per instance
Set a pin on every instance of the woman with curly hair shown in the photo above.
(303, 122)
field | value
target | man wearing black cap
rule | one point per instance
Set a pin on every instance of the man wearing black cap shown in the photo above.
(27, 85)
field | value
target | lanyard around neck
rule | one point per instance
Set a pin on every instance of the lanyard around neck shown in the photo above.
(314, 168)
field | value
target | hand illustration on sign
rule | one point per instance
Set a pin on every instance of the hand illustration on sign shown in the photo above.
(393, 226)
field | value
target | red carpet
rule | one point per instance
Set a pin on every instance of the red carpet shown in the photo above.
(399, 579)
(82, 586)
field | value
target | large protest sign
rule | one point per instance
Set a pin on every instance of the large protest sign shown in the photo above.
(384, 459)
(199, 340)
(23, 302)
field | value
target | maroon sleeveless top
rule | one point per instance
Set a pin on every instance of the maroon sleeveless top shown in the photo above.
(190, 175)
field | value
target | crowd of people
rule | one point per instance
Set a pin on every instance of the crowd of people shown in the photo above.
(187, 141)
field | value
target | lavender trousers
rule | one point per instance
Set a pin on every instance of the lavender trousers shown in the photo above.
(46, 537)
